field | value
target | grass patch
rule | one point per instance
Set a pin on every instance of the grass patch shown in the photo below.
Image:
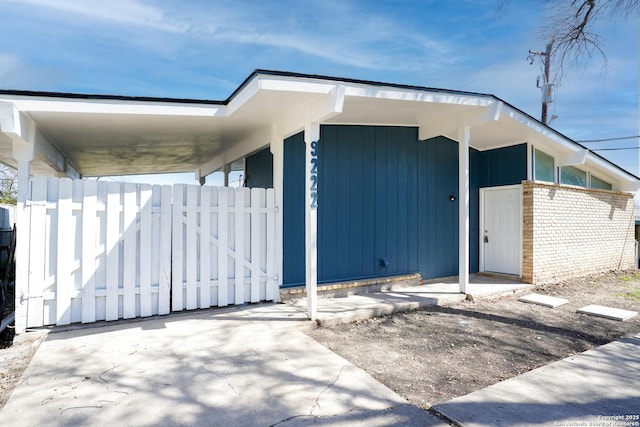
(633, 295)
(626, 278)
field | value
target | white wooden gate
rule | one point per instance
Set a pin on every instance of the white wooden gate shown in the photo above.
(106, 251)
(223, 246)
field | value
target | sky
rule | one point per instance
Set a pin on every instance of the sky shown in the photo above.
(204, 49)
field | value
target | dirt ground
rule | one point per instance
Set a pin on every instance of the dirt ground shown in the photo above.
(15, 355)
(434, 355)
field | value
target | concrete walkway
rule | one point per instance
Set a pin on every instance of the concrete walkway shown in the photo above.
(600, 387)
(243, 366)
(332, 311)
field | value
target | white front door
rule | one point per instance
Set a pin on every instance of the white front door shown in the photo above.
(500, 235)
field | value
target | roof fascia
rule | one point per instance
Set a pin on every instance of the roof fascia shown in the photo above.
(85, 96)
(279, 80)
(101, 106)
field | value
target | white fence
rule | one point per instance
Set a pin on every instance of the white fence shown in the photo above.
(105, 251)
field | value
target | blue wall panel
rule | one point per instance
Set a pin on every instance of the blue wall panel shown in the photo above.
(438, 160)
(474, 210)
(503, 166)
(259, 169)
(384, 194)
(293, 207)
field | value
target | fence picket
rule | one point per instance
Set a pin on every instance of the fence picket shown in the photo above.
(256, 242)
(145, 251)
(191, 249)
(164, 275)
(239, 246)
(223, 248)
(88, 262)
(129, 252)
(177, 248)
(113, 251)
(205, 247)
(64, 252)
(271, 285)
(35, 308)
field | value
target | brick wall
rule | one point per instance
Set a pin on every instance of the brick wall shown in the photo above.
(571, 231)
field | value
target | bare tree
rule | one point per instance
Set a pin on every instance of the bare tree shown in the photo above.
(570, 27)
(8, 185)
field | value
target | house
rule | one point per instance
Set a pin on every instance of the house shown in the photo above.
(368, 179)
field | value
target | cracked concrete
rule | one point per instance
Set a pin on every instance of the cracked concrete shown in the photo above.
(249, 366)
(317, 402)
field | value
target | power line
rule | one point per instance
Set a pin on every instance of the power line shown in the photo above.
(614, 149)
(610, 139)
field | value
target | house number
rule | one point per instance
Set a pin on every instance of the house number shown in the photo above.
(314, 174)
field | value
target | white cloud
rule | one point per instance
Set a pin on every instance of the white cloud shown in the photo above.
(130, 12)
(372, 41)
(15, 73)
(8, 63)
(325, 31)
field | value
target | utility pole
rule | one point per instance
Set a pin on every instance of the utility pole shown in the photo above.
(546, 87)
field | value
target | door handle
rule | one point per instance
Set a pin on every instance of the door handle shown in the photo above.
(486, 239)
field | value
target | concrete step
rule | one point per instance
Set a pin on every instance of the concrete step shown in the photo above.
(355, 287)
(544, 300)
(607, 312)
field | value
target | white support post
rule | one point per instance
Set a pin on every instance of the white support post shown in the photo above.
(277, 149)
(311, 138)
(463, 203)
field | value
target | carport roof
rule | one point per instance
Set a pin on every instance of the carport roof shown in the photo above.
(101, 135)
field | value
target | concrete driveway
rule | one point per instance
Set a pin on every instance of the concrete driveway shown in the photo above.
(248, 366)
(253, 366)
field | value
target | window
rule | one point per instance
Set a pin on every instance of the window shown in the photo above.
(573, 176)
(542, 166)
(600, 184)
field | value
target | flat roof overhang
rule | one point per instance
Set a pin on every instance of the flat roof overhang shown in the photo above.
(101, 135)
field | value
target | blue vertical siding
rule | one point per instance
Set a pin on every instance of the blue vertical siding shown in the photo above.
(293, 207)
(369, 192)
(384, 194)
(474, 211)
(438, 160)
(503, 166)
(259, 169)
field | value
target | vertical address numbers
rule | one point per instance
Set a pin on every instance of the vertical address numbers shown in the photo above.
(314, 174)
